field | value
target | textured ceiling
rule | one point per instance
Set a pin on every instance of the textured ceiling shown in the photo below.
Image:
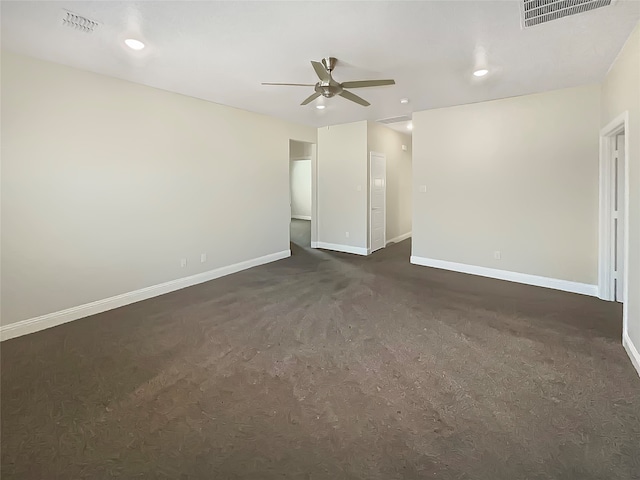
(222, 51)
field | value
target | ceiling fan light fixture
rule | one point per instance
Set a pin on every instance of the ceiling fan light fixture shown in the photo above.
(404, 100)
(134, 44)
(481, 72)
(321, 107)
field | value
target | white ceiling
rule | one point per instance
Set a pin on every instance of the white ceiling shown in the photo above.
(221, 51)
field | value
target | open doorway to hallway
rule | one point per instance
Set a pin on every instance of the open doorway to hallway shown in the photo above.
(390, 182)
(301, 192)
(614, 217)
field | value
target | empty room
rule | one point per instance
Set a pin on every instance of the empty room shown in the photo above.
(320, 240)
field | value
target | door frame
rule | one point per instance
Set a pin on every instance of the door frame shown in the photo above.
(314, 195)
(384, 244)
(606, 285)
(314, 189)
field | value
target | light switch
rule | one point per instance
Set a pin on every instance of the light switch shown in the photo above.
(423, 189)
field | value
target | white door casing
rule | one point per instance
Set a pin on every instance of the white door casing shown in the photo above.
(618, 216)
(608, 181)
(377, 201)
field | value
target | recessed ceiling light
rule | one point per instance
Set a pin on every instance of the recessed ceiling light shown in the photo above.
(134, 44)
(320, 107)
(481, 73)
(410, 126)
(404, 100)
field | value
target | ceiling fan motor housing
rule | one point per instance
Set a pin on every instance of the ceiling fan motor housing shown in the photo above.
(328, 89)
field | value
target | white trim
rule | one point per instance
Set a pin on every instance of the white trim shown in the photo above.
(632, 351)
(301, 217)
(343, 248)
(49, 320)
(314, 244)
(605, 248)
(314, 194)
(399, 238)
(555, 283)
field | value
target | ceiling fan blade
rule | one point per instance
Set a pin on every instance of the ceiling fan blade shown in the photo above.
(291, 84)
(310, 98)
(321, 71)
(354, 98)
(367, 83)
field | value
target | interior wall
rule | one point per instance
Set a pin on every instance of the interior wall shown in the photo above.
(519, 176)
(385, 140)
(300, 178)
(620, 93)
(107, 184)
(342, 184)
(299, 150)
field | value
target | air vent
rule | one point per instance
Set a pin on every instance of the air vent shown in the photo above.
(535, 12)
(387, 121)
(78, 22)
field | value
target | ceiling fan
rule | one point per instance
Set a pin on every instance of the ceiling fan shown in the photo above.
(328, 87)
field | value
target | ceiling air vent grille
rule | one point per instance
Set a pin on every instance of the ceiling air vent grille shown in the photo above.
(73, 20)
(535, 12)
(387, 121)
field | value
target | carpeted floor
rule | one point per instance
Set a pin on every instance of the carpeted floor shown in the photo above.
(328, 366)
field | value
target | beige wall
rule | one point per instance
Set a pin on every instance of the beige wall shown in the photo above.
(106, 185)
(383, 139)
(518, 175)
(299, 150)
(342, 184)
(620, 93)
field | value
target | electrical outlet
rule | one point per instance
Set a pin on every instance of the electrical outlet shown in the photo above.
(346, 234)
(497, 255)
(183, 262)
(203, 257)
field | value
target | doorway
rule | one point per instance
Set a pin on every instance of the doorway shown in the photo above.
(613, 256)
(618, 216)
(377, 201)
(301, 193)
(613, 207)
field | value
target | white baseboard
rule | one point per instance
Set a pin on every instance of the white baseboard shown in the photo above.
(342, 248)
(399, 238)
(314, 245)
(301, 217)
(555, 283)
(632, 351)
(49, 320)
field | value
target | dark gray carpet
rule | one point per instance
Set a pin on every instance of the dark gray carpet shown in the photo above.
(328, 366)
